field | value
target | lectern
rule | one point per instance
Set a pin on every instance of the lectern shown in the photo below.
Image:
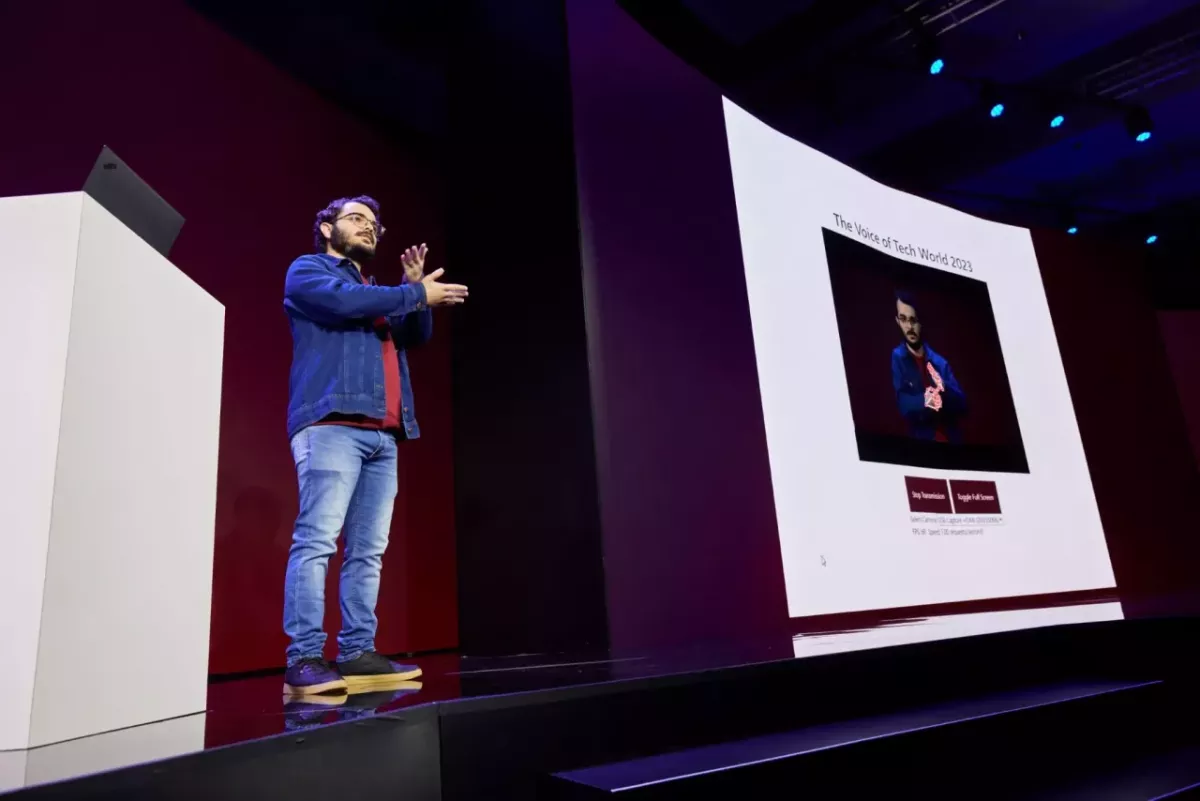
(110, 390)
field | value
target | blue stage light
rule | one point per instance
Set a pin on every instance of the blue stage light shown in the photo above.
(997, 110)
(1057, 121)
(1150, 240)
(1074, 229)
(937, 66)
(1139, 124)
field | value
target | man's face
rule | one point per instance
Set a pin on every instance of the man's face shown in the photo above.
(910, 326)
(353, 233)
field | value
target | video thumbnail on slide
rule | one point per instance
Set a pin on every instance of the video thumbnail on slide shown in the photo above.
(924, 366)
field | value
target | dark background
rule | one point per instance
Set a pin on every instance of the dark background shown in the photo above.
(956, 321)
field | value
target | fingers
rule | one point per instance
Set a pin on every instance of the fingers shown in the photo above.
(436, 274)
(414, 254)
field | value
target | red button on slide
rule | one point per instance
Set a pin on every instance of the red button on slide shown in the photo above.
(975, 497)
(928, 495)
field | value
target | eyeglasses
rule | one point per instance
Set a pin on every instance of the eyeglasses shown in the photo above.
(904, 319)
(361, 221)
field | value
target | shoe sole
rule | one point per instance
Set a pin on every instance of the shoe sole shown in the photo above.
(377, 682)
(338, 686)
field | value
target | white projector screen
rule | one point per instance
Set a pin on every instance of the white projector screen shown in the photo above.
(923, 444)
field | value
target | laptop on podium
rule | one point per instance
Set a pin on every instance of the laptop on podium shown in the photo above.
(131, 200)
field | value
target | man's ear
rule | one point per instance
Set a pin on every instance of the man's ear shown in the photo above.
(327, 230)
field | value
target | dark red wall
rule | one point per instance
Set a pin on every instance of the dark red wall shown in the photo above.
(691, 549)
(1181, 337)
(1133, 430)
(248, 156)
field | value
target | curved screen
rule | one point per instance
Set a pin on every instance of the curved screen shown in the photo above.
(922, 440)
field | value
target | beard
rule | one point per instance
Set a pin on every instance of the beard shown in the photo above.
(353, 247)
(914, 341)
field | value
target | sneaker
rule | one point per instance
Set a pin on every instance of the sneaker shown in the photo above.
(368, 704)
(309, 711)
(312, 676)
(372, 672)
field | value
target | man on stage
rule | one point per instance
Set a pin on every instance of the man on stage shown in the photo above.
(350, 403)
(927, 393)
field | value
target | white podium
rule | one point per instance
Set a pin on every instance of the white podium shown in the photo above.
(110, 392)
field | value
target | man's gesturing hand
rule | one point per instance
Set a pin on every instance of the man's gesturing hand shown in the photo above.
(439, 294)
(937, 378)
(413, 260)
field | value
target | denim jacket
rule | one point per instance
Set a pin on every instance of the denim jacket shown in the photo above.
(909, 384)
(337, 361)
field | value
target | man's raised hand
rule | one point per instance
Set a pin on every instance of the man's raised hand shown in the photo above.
(413, 259)
(937, 378)
(933, 399)
(439, 294)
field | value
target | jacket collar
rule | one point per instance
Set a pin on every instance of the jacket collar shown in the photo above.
(344, 263)
(930, 354)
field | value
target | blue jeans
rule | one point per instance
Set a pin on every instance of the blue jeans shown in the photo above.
(347, 484)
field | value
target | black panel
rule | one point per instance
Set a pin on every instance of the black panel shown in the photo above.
(527, 513)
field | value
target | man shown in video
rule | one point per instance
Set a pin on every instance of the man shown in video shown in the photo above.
(927, 393)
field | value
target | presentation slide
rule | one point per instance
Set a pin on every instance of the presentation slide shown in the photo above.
(923, 443)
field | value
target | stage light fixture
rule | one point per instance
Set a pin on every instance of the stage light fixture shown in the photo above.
(1150, 240)
(1139, 124)
(928, 53)
(1057, 121)
(1069, 220)
(992, 101)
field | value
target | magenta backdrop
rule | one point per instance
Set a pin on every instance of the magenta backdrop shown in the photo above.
(247, 155)
(691, 548)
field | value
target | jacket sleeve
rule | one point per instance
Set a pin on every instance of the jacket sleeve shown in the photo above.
(325, 297)
(911, 404)
(412, 329)
(955, 399)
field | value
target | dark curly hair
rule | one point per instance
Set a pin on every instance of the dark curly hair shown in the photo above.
(331, 212)
(907, 297)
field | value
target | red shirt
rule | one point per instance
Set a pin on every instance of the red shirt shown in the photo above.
(939, 435)
(392, 421)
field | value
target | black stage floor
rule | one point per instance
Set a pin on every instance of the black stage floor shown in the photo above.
(246, 708)
(717, 721)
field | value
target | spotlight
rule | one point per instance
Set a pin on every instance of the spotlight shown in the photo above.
(1139, 124)
(928, 52)
(1150, 240)
(1057, 121)
(992, 100)
(1074, 229)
